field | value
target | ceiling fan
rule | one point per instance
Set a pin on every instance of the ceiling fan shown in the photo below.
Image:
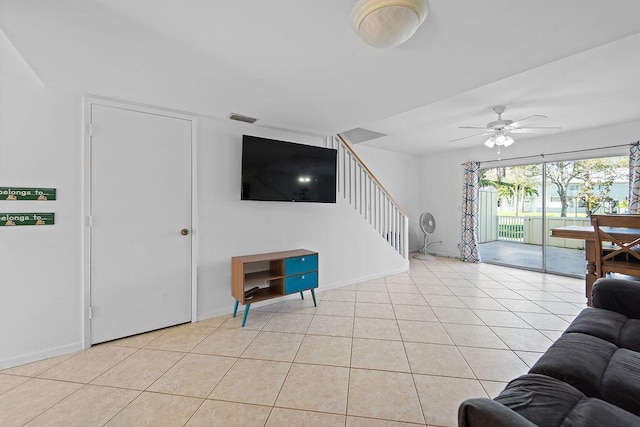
(501, 128)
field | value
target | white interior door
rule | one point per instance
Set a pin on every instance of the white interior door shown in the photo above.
(140, 203)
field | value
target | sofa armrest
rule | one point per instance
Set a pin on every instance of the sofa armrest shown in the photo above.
(489, 413)
(619, 295)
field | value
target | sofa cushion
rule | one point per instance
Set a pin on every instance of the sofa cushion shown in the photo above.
(599, 323)
(577, 359)
(619, 295)
(595, 412)
(543, 400)
(549, 402)
(483, 412)
(614, 327)
(621, 381)
(630, 335)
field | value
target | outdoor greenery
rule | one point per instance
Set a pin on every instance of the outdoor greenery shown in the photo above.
(595, 177)
(520, 184)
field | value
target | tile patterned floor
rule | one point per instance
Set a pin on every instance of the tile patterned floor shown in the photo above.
(403, 350)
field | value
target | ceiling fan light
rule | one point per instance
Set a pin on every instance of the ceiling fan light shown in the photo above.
(387, 23)
(490, 142)
(508, 141)
(501, 139)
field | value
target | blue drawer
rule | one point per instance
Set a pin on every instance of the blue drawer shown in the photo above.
(301, 282)
(303, 264)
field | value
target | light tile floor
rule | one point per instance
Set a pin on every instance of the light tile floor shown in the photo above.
(398, 351)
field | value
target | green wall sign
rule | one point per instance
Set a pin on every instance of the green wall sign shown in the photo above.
(19, 193)
(11, 219)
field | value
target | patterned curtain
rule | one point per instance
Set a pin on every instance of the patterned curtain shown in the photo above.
(470, 201)
(634, 179)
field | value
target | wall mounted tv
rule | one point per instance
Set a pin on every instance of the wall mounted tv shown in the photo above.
(286, 172)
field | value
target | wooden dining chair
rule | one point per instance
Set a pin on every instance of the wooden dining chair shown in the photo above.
(616, 246)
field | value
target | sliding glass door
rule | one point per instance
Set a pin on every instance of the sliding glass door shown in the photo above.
(519, 205)
(576, 189)
(510, 225)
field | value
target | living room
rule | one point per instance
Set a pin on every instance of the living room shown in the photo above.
(54, 57)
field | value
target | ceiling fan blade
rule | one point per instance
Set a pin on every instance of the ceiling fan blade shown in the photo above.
(472, 127)
(471, 136)
(536, 130)
(526, 120)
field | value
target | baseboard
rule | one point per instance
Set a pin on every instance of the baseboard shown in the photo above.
(330, 286)
(40, 355)
(440, 254)
(214, 313)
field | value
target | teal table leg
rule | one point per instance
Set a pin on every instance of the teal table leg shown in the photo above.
(301, 295)
(313, 295)
(235, 309)
(246, 313)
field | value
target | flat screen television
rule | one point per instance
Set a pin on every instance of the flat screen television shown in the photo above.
(287, 172)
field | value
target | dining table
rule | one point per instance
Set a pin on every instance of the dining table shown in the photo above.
(587, 234)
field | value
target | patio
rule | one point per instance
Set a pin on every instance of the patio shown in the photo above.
(559, 260)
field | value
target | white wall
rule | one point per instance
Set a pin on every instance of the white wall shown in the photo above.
(41, 285)
(441, 174)
(348, 249)
(40, 268)
(398, 173)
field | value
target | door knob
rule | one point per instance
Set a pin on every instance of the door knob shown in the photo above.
(184, 231)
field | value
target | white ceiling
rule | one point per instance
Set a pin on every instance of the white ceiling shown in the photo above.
(297, 65)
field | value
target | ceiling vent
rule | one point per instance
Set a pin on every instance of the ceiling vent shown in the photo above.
(241, 118)
(358, 135)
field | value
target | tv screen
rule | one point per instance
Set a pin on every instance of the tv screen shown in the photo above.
(286, 172)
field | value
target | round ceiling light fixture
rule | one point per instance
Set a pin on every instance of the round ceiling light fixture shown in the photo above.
(388, 23)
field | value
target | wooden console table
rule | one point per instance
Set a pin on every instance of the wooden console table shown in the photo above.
(588, 235)
(260, 277)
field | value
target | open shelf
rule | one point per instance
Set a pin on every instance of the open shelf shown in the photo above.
(264, 294)
(261, 276)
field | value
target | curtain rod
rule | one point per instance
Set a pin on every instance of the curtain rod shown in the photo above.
(533, 156)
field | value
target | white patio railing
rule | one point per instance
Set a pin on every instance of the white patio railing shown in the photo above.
(529, 230)
(511, 228)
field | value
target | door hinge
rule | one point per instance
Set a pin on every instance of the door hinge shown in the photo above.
(90, 312)
(89, 129)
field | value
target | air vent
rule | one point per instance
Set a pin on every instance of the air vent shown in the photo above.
(241, 118)
(358, 135)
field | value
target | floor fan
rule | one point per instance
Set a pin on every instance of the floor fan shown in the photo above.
(428, 227)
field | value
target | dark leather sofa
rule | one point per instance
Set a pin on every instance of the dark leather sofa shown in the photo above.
(589, 377)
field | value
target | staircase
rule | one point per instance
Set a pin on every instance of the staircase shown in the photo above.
(369, 198)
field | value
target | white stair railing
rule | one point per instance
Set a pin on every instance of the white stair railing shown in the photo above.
(369, 198)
